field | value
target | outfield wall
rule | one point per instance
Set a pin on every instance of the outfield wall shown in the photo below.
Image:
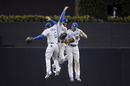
(99, 67)
(99, 34)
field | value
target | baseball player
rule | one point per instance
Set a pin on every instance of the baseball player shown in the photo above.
(73, 50)
(61, 28)
(52, 49)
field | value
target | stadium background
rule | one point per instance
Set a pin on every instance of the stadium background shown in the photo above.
(104, 55)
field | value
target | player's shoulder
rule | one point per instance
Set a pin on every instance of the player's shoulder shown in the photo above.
(69, 30)
(46, 30)
(53, 28)
(78, 29)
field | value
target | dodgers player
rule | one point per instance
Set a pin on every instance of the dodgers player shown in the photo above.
(52, 49)
(61, 28)
(73, 51)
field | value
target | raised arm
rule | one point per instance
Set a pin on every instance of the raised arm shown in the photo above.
(63, 14)
(49, 19)
(84, 35)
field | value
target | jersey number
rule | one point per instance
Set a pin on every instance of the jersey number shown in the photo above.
(76, 37)
(55, 35)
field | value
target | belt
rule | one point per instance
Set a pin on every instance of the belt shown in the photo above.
(72, 45)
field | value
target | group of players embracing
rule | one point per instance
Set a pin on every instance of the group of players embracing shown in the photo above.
(62, 46)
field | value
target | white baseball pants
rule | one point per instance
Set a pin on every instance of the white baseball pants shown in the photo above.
(52, 51)
(73, 52)
(61, 52)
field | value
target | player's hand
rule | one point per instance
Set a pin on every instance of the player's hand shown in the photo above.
(66, 7)
(48, 18)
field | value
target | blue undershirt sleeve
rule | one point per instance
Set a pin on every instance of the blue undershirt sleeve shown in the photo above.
(62, 16)
(38, 37)
(53, 21)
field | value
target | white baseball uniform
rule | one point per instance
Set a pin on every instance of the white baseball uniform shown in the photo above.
(61, 29)
(73, 52)
(52, 49)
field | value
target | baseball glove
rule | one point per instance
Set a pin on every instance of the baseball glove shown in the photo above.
(29, 40)
(63, 35)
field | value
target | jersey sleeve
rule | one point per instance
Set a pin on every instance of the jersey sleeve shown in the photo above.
(45, 32)
(80, 33)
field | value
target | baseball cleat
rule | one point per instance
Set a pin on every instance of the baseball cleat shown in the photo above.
(78, 79)
(57, 73)
(71, 79)
(48, 74)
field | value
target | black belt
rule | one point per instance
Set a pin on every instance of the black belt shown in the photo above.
(72, 45)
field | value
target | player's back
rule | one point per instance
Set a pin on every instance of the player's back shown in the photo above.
(51, 34)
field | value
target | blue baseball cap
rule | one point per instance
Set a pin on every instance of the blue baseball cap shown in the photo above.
(74, 25)
(48, 25)
(65, 20)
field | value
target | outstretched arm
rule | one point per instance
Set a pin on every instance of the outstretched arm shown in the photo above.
(30, 39)
(38, 37)
(63, 14)
(49, 19)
